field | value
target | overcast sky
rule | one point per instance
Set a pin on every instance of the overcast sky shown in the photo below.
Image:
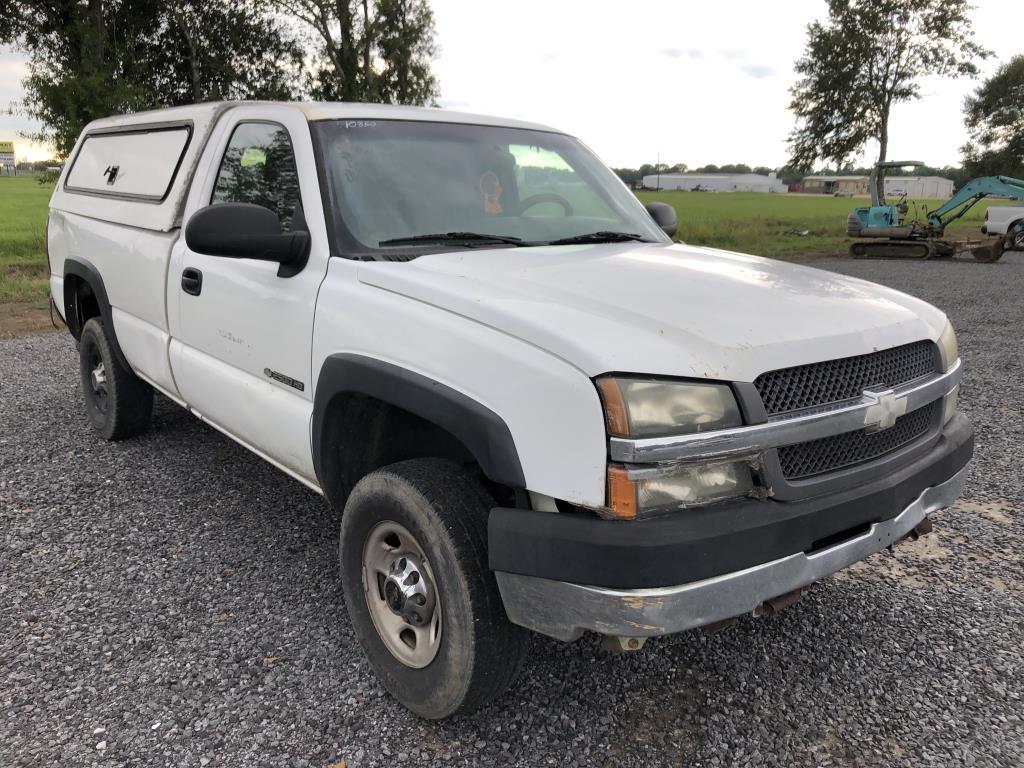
(696, 82)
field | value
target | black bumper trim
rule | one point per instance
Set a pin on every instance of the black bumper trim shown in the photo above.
(697, 544)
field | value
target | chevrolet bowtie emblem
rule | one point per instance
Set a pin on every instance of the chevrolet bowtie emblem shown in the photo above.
(883, 409)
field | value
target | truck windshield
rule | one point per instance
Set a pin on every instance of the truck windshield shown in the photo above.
(413, 187)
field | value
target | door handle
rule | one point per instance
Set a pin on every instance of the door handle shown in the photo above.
(192, 281)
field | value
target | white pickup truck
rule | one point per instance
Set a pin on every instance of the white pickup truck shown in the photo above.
(534, 409)
(1007, 223)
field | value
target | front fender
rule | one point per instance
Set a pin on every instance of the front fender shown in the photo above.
(480, 429)
(522, 395)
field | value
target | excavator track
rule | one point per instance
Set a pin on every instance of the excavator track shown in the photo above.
(893, 249)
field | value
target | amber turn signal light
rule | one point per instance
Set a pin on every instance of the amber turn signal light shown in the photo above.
(622, 496)
(615, 411)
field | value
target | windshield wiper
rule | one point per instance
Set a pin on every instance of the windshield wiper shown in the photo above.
(454, 237)
(598, 237)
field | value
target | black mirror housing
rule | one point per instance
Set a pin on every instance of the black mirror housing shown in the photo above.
(246, 231)
(664, 216)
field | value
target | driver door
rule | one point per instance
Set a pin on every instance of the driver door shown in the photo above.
(241, 328)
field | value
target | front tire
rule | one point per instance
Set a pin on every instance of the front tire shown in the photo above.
(118, 403)
(423, 603)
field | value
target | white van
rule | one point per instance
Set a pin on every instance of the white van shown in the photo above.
(535, 410)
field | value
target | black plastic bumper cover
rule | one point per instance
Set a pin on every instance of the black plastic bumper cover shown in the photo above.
(700, 543)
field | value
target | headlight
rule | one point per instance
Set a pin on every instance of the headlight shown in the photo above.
(645, 407)
(948, 347)
(653, 492)
(950, 353)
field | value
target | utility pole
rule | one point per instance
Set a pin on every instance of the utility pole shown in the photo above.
(657, 169)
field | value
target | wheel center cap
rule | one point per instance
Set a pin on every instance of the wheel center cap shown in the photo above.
(408, 591)
(99, 377)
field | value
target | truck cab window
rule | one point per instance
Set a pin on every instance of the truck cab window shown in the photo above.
(259, 167)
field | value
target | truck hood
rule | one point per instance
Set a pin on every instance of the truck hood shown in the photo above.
(672, 310)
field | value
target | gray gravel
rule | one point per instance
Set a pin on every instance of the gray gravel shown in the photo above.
(172, 600)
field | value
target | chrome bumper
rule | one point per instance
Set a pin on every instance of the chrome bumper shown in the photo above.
(564, 611)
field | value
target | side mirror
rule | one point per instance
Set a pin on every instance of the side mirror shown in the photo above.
(664, 216)
(246, 231)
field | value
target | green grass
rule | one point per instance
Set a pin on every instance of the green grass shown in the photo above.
(739, 221)
(761, 224)
(23, 272)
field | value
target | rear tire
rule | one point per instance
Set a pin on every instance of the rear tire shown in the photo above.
(427, 516)
(1015, 237)
(119, 404)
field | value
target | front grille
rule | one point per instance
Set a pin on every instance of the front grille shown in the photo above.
(829, 454)
(805, 386)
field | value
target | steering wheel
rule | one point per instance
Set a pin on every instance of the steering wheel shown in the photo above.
(533, 200)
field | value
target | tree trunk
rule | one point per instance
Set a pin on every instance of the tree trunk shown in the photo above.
(883, 150)
(367, 42)
(403, 61)
(92, 55)
(193, 56)
(348, 54)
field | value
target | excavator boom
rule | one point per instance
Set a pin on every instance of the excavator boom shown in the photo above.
(969, 194)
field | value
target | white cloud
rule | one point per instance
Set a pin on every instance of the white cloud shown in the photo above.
(695, 83)
(757, 71)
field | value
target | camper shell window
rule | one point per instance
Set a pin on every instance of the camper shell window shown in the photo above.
(136, 163)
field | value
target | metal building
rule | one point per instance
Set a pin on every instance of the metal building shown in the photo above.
(915, 187)
(716, 182)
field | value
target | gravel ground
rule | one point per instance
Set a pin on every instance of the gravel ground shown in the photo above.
(172, 600)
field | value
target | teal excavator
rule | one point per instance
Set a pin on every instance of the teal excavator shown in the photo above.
(886, 230)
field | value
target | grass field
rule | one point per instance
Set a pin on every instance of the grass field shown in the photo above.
(23, 272)
(761, 224)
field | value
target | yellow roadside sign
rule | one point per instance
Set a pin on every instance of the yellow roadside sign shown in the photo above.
(6, 146)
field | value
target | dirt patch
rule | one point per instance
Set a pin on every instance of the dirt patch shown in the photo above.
(20, 319)
(884, 566)
(997, 584)
(996, 510)
(905, 563)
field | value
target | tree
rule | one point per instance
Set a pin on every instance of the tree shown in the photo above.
(631, 177)
(864, 59)
(404, 36)
(79, 69)
(101, 57)
(377, 51)
(994, 115)
(212, 50)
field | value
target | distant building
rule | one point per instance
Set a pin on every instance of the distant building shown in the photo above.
(836, 185)
(915, 187)
(7, 162)
(716, 182)
(919, 187)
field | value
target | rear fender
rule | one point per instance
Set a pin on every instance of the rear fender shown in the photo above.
(88, 274)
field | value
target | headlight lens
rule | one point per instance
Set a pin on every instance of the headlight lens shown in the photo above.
(644, 407)
(676, 487)
(948, 346)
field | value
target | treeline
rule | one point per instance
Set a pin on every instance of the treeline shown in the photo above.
(92, 58)
(633, 177)
(37, 166)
